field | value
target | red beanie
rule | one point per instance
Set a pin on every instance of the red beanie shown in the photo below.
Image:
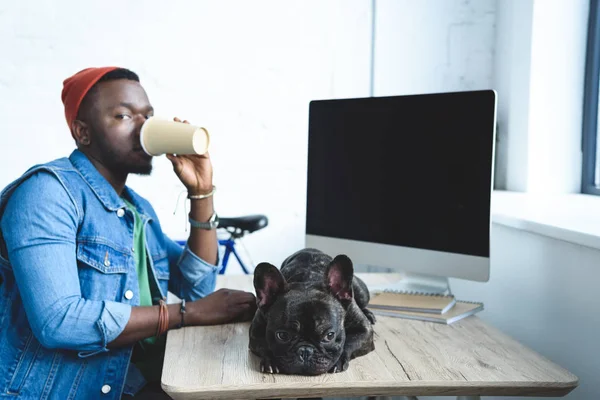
(76, 87)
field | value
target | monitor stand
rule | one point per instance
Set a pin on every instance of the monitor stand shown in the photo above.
(413, 282)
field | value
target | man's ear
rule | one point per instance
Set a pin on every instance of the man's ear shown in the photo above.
(339, 276)
(268, 283)
(80, 133)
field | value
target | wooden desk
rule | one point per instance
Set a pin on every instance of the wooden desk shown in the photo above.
(467, 358)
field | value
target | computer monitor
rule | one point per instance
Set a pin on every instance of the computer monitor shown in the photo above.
(404, 182)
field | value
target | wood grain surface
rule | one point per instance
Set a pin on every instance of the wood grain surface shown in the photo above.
(411, 357)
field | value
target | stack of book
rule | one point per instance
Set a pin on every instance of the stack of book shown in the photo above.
(444, 309)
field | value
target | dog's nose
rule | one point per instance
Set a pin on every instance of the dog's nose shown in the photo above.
(304, 352)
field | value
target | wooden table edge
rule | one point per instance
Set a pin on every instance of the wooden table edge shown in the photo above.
(431, 388)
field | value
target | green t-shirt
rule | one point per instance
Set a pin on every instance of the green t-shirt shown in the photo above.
(149, 353)
(141, 261)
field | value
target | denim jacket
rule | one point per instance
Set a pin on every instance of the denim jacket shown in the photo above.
(69, 282)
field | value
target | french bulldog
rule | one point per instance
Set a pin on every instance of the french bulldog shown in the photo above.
(311, 316)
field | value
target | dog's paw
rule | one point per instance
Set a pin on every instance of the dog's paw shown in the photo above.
(370, 316)
(341, 365)
(267, 366)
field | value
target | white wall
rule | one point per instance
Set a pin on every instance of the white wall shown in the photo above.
(558, 46)
(539, 73)
(511, 80)
(244, 70)
(433, 46)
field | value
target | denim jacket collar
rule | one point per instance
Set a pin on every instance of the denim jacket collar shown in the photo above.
(100, 186)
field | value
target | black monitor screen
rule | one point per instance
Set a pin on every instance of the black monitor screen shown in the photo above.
(413, 171)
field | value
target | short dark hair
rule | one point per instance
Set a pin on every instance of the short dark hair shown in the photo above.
(121, 73)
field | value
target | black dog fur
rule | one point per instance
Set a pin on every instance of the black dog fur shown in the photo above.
(312, 315)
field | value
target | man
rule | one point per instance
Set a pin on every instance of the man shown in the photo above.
(85, 264)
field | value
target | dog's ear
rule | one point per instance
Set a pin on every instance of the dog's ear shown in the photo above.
(268, 283)
(339, 276)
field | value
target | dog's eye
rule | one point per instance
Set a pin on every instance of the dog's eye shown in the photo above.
(282, 336)
(329, 337)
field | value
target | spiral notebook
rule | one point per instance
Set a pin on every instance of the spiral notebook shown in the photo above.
(413, 302)
(460, 310)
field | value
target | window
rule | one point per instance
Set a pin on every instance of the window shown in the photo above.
(590, 182)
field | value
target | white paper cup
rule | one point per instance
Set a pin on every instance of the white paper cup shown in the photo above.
(163, 136)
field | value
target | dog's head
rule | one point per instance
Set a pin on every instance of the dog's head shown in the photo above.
(305, 326)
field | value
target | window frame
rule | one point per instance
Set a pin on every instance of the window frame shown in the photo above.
(590, 102)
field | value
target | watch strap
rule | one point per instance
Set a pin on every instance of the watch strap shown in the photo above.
(212, 223)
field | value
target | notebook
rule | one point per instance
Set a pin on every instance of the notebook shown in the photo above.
(415, 302)
(461, 309)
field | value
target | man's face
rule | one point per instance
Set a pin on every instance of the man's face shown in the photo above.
(116, 114)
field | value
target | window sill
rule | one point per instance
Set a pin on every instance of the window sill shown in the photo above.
(573, 218)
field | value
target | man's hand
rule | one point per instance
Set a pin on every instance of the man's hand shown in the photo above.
(194, 171)
(220, 307)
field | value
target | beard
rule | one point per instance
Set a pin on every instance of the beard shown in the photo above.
(138, 169)
(124, 163)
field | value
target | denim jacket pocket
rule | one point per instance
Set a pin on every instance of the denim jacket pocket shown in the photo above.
(24, 364)
(161, 266)
(102, 269)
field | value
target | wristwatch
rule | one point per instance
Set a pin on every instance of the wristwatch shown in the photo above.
(212, 223)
